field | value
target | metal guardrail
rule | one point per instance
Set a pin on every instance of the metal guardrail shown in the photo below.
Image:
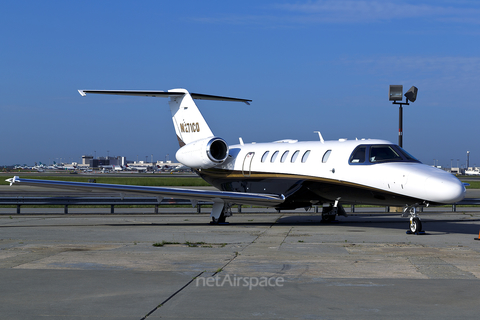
(97, 201)
(113, 201)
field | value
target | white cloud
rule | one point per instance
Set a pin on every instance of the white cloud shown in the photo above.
(300, 13)
(350, 11)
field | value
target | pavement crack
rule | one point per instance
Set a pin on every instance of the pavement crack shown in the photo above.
(288, 233)
(226, 264)
(171, 296)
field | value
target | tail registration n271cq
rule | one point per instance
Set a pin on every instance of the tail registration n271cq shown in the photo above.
(288, 174)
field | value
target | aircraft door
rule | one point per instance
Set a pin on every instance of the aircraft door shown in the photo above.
(247, 164)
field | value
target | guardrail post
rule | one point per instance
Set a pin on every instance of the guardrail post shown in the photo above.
(352, 208)
(316, 208)
(454, 207)
(199, 208)
(112, 208)
(156, 209)
(65, 209)
(387, 209)
(239, 207)
(18, 209)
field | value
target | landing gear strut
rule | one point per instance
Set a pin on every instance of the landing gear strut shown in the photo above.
(330, 213)
(220, 211)
(415, 222)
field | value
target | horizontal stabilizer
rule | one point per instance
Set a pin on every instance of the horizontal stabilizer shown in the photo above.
(162, 94)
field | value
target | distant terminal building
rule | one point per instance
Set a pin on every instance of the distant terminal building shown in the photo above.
(99, 162)
(121, 163)
(86, 160)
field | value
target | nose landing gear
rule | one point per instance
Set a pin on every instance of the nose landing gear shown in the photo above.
(415, 226)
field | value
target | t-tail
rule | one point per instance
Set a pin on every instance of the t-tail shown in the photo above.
(199, 148)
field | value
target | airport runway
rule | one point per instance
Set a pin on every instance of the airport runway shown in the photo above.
(261, 265)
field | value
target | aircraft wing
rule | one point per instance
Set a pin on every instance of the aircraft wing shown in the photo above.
(268, 200)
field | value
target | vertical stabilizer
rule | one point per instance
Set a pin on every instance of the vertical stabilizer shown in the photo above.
(188, 121)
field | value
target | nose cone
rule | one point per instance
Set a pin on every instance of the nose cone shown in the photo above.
(444, 188)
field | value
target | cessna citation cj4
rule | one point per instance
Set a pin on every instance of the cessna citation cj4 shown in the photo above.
(288, 174)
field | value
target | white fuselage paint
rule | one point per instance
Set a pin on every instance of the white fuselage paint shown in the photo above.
(410, 179)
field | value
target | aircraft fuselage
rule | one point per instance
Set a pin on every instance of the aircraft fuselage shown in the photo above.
(315, 172)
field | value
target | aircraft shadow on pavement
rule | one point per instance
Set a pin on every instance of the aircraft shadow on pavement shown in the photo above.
(366, 220)
(389, 221)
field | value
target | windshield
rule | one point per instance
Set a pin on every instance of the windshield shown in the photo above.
(383, 153)
(371, 154)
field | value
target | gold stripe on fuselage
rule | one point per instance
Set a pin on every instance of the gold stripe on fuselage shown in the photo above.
(233, 174)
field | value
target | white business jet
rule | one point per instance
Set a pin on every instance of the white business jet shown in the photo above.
(288, 174)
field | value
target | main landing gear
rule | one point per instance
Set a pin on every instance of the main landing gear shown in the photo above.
(415, 226)
(330, 213)
(220, 211)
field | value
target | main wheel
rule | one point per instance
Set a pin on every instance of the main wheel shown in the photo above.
(415, 225)
(221, 219)
(328, 217)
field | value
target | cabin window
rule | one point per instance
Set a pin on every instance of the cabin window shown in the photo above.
(284, 156)
(295, 155)
(274, 156)
(326, 155)
(358, 156)
(265, 155)
(305, 156)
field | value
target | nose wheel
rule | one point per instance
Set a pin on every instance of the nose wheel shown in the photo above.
(415, 226)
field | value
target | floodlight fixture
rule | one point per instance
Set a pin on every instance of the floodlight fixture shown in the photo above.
(411, 94)
(395, 93)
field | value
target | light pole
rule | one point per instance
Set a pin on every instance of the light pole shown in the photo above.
(395, 94)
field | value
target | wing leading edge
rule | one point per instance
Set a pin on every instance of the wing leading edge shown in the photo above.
(268, 200)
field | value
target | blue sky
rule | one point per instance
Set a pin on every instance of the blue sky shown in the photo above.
(307, 66)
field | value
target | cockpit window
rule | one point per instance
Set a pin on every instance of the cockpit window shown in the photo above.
(372, 154)
(407, 155)
(358, 156)
(383, 153)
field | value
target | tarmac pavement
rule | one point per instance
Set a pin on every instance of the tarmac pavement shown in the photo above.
(261, 265)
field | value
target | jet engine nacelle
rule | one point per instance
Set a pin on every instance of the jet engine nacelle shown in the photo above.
(204, 153)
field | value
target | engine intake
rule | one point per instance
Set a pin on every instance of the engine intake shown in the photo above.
(204, 153)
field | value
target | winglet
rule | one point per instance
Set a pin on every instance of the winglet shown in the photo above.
(13, 180)
(82, 93)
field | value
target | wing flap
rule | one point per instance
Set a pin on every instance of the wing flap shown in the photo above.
(268, 200)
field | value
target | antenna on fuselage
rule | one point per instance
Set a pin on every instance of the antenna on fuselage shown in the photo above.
(320, 136)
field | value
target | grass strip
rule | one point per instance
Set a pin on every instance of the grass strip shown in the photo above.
(137, 181)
